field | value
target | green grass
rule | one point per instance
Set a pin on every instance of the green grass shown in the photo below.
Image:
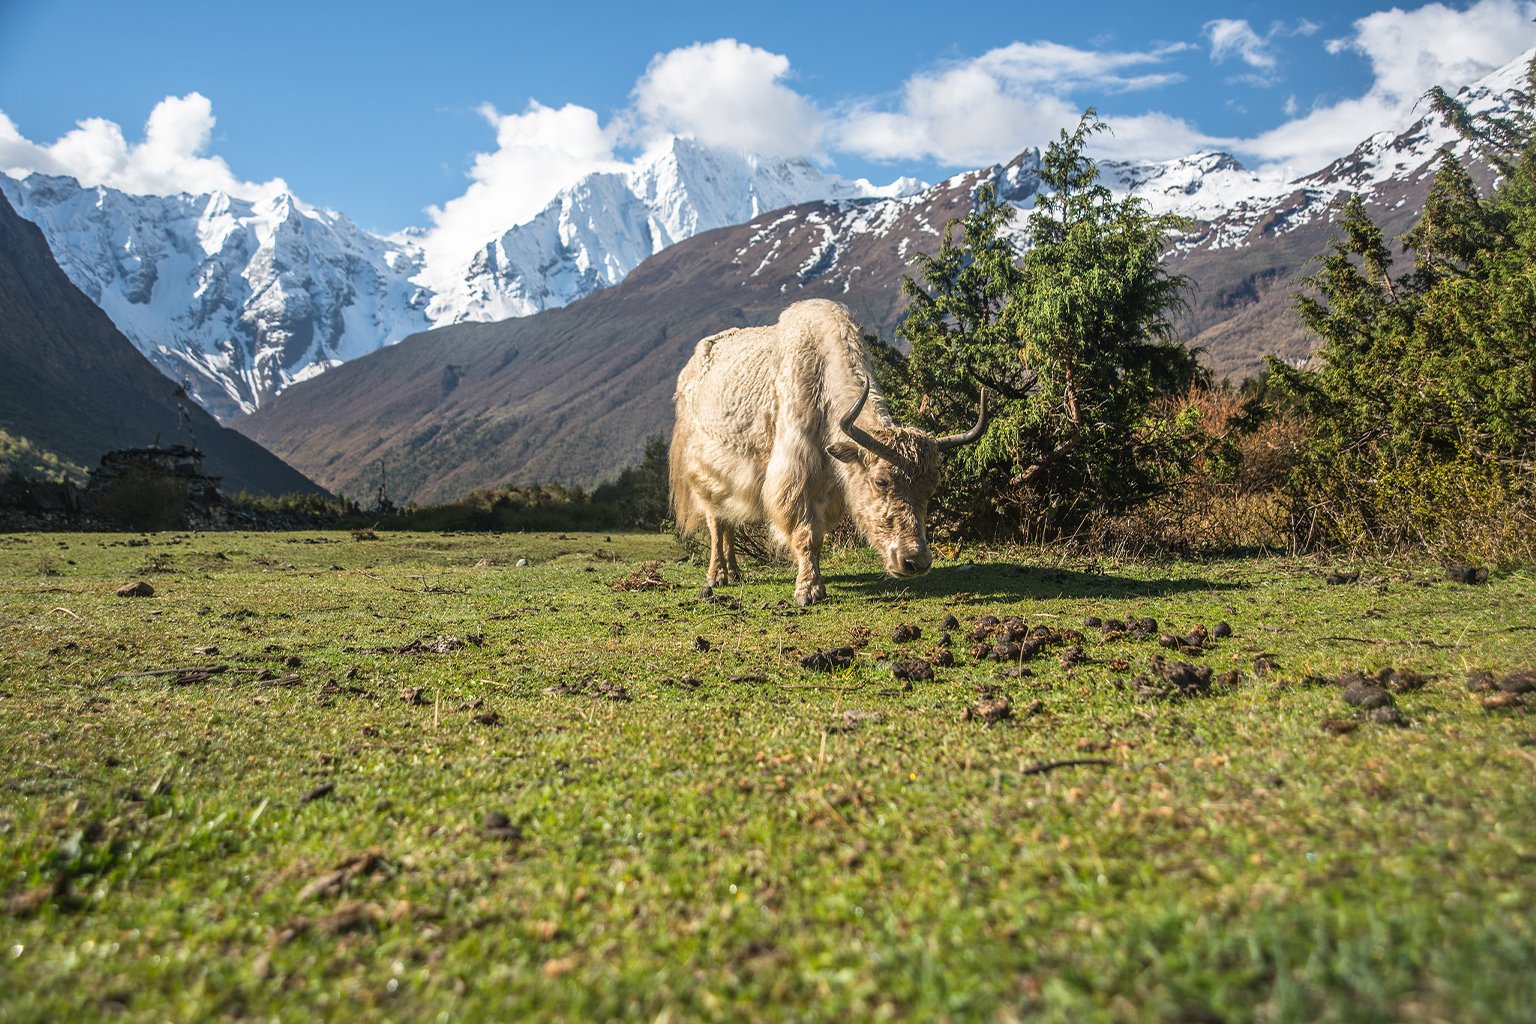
(574, 812)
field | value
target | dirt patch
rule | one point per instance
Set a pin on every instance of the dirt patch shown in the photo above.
(645, 576)
(912, 670)
(988, 710)
(1173, 680)
(828, 660)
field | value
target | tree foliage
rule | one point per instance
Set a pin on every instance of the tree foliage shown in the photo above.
(1073, 341)
(1424, 402)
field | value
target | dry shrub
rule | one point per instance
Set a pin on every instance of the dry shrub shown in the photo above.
(1230, 495)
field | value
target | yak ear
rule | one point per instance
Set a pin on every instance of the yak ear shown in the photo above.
(844, 451)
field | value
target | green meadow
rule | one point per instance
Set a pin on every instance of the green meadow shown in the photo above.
(455, 777)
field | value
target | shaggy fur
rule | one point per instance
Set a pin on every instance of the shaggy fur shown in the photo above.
(757, 438)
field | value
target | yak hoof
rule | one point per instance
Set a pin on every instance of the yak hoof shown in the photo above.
(810, 595)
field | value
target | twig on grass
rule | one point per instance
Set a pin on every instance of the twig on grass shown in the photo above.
(204, 670)
(1042, 767)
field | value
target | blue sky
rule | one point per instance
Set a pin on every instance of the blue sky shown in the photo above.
(423, 115)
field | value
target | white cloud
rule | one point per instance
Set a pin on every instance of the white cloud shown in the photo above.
(538, 152)
(989, 108)
(1408, 51)
(169, 159)
(1153, 136)
(729, 95)
(1235, 37)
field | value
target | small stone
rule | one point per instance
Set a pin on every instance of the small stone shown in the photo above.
(950, 623)
(139, 589)
(521, 563)
(1222, 631)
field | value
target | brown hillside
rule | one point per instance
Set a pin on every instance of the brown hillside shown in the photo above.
(72, 384)
(571, 395)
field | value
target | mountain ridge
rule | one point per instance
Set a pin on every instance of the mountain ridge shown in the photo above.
(72, 384)
(570, 395)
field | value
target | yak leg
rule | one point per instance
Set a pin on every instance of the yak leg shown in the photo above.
(798, 514)
(722, 553)
(805, 541)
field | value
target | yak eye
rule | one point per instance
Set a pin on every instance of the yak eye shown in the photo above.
(882, 483)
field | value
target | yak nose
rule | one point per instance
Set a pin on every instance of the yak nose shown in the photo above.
(916, 563)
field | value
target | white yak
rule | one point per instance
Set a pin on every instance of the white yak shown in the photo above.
(782, 423)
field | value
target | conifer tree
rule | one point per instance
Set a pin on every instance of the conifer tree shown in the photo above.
(1073, 340)
(1424, 405)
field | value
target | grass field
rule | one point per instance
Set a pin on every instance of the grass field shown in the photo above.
(408, 778)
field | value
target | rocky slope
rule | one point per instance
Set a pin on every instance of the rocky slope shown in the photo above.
(72, 384)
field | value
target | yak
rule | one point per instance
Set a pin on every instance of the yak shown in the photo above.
(783, 423)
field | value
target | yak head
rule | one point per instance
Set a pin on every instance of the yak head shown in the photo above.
(891, 474)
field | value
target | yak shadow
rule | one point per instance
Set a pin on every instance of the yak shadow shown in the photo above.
(1002, 583)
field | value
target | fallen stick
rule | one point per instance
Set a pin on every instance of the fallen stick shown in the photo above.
(206, 670)
(1041, 767)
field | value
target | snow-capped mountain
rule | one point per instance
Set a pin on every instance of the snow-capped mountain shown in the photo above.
(239, 299)
(571, 395)
(236, 299)
(595, 232)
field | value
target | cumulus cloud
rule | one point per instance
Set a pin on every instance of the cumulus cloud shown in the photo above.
(170, 158)
(1234, 37)
(538, 152)
(725, 94)
(1408, 51)
(729, 95)
(989, 108)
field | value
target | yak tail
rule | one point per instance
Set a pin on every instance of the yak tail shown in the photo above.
(685, 504)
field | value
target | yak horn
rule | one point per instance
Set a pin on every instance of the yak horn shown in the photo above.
(857, 434)
(956, 440)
